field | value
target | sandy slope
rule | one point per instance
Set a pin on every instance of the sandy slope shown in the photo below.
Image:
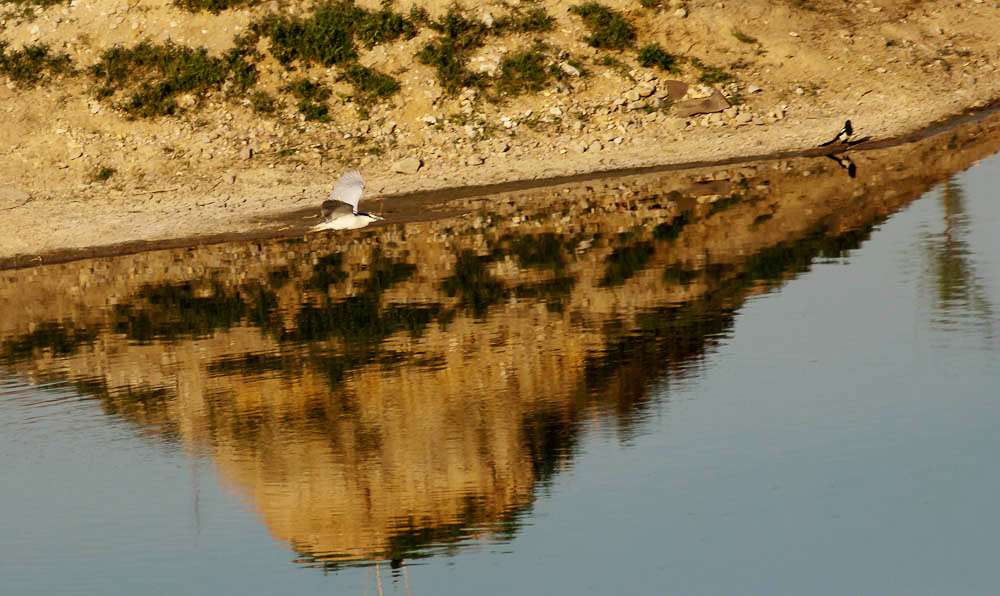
(892, 67)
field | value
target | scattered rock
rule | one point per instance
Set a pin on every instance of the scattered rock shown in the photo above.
(676, 89)
(246, 153)
(595, 146)
(644, 90)
(681, 13)
(716, 102)
(408, 165)
(753, 89)
(569, 69)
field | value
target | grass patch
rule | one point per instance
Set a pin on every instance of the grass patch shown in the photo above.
(327, 37)
(262, 103)
(369, 84)
(608, 28)
(522, 72)
(102, 174)
(165, 71)
(653, 55)
(449, 53)
(650, 3)
(312, 98)
(524, 21)
(31, 64)
(383, 26)
(710, 74)
(213, 6)
(743, 37)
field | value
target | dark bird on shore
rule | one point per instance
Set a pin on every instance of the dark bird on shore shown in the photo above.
(846, 163)
(340, 211)
(845, 136)
(842, 136)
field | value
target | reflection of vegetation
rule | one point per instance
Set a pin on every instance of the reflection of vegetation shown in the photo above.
(626, 261)
(669, 231)
(251, 363)
(142, 405)
(328, 271)
(549, 439)
(410, 538)
(61, 340)
(678, 274)
(473, 284)
(539, 250)
(360, 321)
(957, 286)
(775, 262)
(551, 291)
(186, 310)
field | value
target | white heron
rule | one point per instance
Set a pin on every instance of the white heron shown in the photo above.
(340, 211)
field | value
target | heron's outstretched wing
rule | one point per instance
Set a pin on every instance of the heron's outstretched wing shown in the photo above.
(332, 209)
(349, 189)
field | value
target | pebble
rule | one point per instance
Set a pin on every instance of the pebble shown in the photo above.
(569, 69)
(408, 165)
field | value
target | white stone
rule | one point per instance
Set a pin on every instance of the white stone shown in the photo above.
(569, 69)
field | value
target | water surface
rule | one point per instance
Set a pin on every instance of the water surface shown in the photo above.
(771, 378)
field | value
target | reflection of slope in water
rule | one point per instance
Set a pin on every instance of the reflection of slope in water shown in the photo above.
(395, 391)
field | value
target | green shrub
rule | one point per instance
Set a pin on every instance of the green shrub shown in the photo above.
(532, 19)
(29, 65)
(653, 55)
(263, 103)
(382, 27)
(523, 72)
(608, 28)
(369, 84)
(214, 6)
(103, 173)
(312, 97)
(711, 74)
(743, 37)
(449, 52)
(162, 72)
(326, 38)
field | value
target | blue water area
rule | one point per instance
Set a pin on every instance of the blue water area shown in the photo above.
(834, 433)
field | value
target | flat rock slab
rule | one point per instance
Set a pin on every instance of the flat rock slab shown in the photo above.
(716, 102)
(676, 89)
(11, 197)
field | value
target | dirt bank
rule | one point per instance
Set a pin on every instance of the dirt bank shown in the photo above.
(795, 72)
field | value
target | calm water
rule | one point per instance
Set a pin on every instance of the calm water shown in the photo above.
(788, 387)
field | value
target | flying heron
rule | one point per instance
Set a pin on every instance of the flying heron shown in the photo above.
(340, 211)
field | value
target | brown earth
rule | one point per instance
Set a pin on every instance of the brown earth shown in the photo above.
(891, 67)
